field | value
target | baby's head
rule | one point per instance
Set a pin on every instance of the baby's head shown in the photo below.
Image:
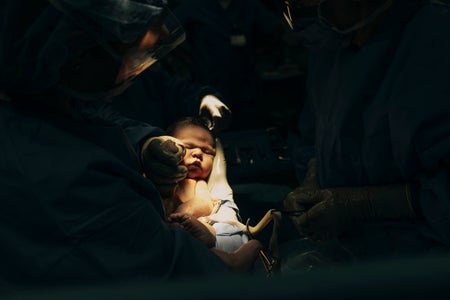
(200, 145)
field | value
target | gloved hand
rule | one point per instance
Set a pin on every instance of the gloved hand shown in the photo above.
(310, 184)
(218, 185)
(197, 229)
(215, 112)
(161, 158)
(338, 209)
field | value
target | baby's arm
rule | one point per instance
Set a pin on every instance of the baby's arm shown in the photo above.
(194, 198)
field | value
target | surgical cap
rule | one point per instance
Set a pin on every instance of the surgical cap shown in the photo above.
(38, 37)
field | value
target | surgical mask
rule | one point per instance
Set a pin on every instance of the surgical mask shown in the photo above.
(324, 34)
(317, 36)
(355, 27)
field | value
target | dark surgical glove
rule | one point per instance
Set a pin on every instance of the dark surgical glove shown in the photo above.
(196, 228)
(161, 158)
(335, 210)
(217, 114)
(309, 185)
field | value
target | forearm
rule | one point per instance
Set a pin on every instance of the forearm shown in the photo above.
(242, 259)
(327, 213)
(378, 202)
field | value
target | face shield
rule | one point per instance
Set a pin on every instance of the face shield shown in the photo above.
(135, 33)
(44, 43)
(154, 45)
(297, 12)
(325, 10)
(288, 12)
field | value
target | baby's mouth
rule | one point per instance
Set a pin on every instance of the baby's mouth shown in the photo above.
(194, 166)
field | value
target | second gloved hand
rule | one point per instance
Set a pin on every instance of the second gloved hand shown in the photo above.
(202, 232)
(309, 185)
(215, 112)
(161, 158)
(339, 209)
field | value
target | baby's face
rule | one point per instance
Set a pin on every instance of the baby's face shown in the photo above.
(200, 150)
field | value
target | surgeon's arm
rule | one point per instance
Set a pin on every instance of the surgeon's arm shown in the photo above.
(326, 213)
(181, 97)
(336, 210)
(243, 258)
(137, 132)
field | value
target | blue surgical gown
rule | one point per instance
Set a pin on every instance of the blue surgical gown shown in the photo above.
(76, 208)
(382, 116)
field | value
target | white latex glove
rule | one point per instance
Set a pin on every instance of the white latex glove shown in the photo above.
(218, 183)
(216, 112)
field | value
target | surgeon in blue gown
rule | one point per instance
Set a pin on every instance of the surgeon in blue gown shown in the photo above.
(75, 205)
(378, 117)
